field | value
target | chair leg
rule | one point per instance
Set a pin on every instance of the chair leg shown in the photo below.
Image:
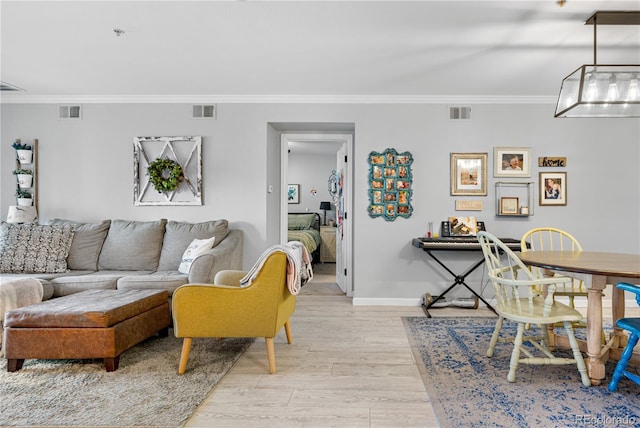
(577, 355)
(495, 336)
(618, 373)
(287, 330)
(515, 355)
(184, 356)
(271, 354)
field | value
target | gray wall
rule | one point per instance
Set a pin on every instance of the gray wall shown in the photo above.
(86, 174)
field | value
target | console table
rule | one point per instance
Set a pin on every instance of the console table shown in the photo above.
(431, 245)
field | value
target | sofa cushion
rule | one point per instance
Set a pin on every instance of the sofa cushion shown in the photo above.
(195, 248)
(132, 245)
(179, 235)
(168, 281)
(32, 248)
(79, 281)
(87, 243)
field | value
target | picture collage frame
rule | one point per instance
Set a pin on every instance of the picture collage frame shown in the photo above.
(390, 184)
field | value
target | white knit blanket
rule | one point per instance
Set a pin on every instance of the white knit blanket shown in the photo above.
(299, 270)
(15, 293)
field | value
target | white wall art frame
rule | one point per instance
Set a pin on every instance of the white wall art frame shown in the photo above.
(186, 152)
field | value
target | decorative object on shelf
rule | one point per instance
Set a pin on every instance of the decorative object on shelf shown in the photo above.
(510, 194)
(390, 184)
(508, 205)
(24, 176)
(24, 197)
(167, 170)
(165, 174)
(332, 185)
(511, 162)
(597, 90)
(553, 188)
(325, 206)
(468, 174)
(547, 161)
(22, 214)
(293, 193)
(24, 152)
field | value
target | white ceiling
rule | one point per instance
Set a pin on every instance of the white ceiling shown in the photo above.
(301, 51)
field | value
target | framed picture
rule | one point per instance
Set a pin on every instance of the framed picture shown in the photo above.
(293, 194)
(553, 188)
(511, 162)
(509, 205)
(469, 174)
(390, 189)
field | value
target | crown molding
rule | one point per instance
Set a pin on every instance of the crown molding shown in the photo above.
(21, 98)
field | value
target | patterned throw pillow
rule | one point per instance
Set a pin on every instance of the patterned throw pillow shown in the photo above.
(32, 248)
(197, 247)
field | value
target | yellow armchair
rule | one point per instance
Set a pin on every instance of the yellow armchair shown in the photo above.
(227, 310)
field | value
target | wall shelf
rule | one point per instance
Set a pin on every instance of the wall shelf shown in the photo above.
(514, 199)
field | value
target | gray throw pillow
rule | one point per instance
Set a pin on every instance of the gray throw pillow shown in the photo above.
(32, 248)
(132, 245)
(179, 235)
(87, 243)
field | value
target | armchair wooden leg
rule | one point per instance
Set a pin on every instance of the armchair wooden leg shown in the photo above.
(184, 356)
(287, 330)
(271, 354)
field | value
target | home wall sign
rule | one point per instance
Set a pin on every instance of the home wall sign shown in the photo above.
(167, 170)
(390, 184)
(548, 161)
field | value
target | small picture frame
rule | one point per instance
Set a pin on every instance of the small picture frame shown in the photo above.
(293, 194)
(553, 188)
(468, 174)
(509, 206)
(511, 162)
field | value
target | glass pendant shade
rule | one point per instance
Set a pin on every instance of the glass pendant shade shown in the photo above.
(600, 91)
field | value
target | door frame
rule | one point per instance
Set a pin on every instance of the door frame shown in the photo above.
(343, 138)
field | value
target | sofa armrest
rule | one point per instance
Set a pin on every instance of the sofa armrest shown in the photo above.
(229, 277)
(225, 256)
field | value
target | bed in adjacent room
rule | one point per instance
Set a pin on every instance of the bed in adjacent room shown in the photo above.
(305, 227)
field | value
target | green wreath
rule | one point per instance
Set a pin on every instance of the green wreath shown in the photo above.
(165, 174)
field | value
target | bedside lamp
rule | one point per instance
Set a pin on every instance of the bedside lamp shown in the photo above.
(20, 214)
(325, 206)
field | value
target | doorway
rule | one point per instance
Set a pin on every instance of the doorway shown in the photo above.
(341, 145)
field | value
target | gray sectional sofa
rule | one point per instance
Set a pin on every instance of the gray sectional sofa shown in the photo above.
(115, 254)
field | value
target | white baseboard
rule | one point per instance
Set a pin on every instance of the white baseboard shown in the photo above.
(386, 301)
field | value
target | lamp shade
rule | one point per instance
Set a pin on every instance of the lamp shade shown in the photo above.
(600, 91)
(325, 205)
(20, 214)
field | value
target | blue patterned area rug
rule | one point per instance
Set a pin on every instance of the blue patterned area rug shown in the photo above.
(468, 389)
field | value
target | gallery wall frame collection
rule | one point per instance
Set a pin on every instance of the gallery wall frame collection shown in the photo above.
(390, 184)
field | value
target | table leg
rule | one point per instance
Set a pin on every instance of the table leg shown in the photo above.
(595, 363)
(617, 312)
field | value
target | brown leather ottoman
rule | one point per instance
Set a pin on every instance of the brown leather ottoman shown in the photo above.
(90, 324)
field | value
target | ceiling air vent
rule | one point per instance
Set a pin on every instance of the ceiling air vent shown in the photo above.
(459, 113)
(69, 112)
(206, 111)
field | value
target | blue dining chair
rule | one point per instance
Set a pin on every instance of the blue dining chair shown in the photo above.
(632, 325)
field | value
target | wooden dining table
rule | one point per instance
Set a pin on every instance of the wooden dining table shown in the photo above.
(597, 270)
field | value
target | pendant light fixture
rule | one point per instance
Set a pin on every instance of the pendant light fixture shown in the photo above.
(602, 90)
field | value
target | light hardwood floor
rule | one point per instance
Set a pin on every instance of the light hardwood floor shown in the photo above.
(348, 366)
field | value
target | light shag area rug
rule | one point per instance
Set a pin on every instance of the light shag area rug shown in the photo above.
(469, 389)
(146, 390)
